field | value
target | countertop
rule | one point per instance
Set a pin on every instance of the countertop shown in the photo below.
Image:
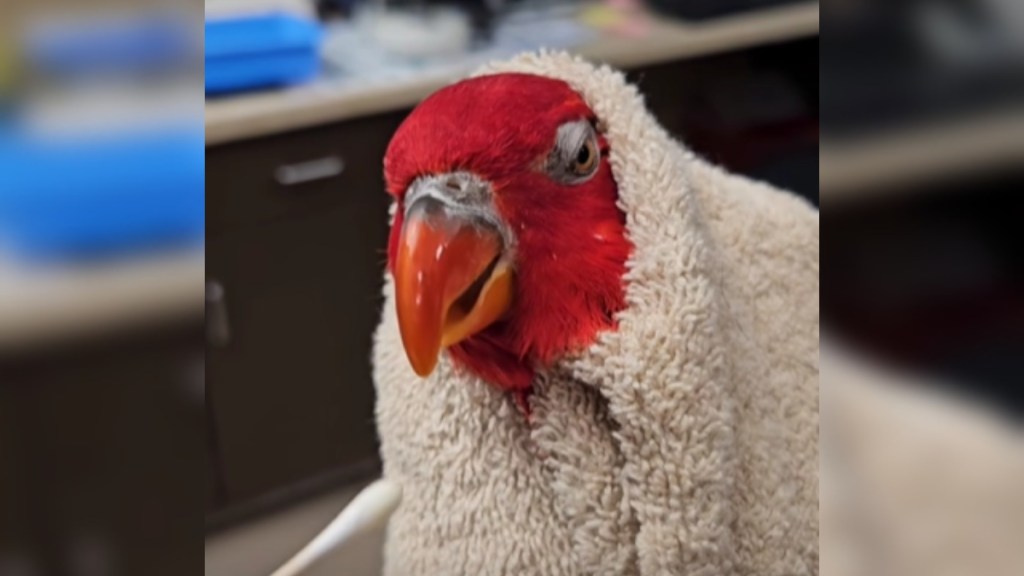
(331, 100)
(258, 547)
(911, 158)
(52, 304)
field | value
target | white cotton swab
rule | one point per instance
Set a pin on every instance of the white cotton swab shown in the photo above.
(369, 509)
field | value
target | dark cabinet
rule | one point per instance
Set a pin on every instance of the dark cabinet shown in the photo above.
(101, 455)
(297, 229)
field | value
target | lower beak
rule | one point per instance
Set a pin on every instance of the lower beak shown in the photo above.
(450, 281)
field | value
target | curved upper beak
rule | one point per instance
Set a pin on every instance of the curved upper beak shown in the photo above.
(450, 280)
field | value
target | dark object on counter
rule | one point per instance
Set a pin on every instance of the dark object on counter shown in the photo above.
(704, 9)
(327, 9)
(482, 14)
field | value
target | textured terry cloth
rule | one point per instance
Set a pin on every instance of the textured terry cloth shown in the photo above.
(685, 442)
(916, 480)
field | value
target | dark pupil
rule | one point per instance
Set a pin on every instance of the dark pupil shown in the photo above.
(583, 156)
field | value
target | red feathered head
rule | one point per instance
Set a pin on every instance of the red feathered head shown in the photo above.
(507, 247)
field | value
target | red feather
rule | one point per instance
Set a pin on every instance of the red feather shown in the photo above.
(571, 244)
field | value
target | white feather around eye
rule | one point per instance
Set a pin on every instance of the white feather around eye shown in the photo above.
(564, 162)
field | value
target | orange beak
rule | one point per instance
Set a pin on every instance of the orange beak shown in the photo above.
(450, 282)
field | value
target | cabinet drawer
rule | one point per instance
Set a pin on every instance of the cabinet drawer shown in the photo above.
(289, 374)
(102, 443)
(295, 174)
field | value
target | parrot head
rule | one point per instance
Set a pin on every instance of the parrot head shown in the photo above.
(507, 248)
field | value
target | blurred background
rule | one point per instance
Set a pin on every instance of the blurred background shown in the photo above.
(101, 287)
(921, 166)
(192, 225)
(922, 287)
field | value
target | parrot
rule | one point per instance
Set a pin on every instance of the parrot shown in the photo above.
(597, 351)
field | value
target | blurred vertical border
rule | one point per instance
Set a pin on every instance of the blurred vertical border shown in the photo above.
(922, 287)
(102, 437)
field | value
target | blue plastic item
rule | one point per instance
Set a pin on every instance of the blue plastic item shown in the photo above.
(260, 51)
(126, 44)
(64, 200)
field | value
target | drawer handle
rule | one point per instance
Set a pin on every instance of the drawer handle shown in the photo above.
(218, 328)
(309, 171)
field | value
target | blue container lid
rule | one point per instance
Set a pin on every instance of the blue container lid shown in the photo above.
(260, 34)
(62, 199)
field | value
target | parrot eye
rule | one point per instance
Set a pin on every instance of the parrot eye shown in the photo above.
(576, 155)
(585, 159)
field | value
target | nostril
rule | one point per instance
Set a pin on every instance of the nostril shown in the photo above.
(453, 184)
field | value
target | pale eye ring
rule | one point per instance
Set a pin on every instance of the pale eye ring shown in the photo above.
(576, 153)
